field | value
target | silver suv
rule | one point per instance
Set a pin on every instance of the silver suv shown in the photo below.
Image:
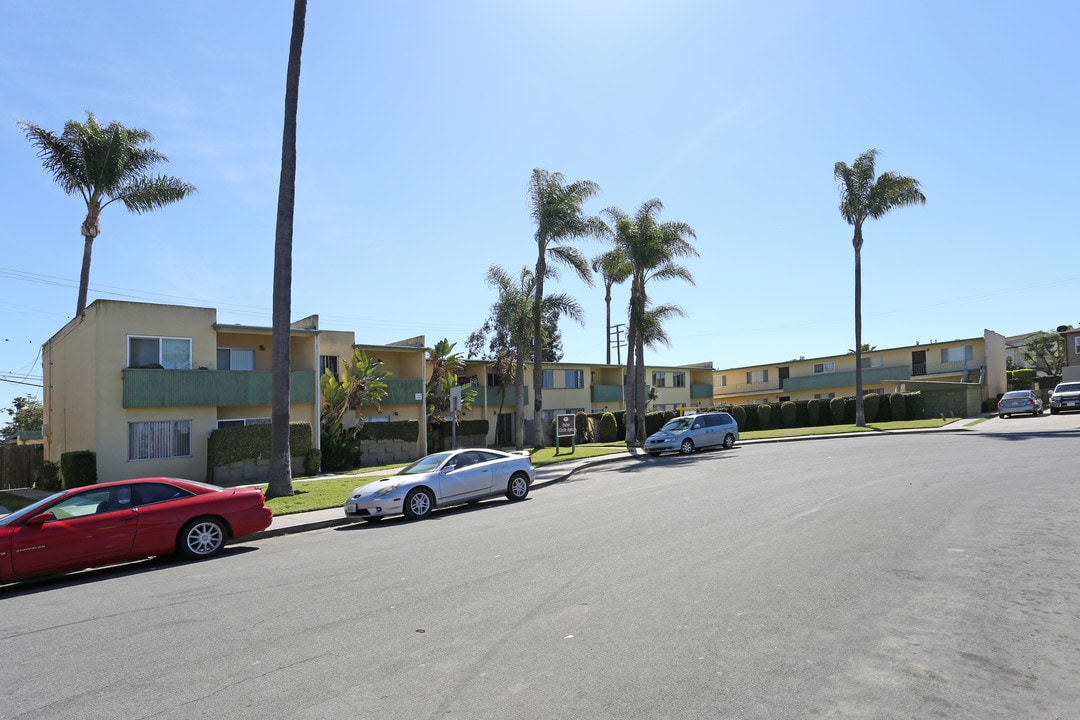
(687, 434)
(1066, 397)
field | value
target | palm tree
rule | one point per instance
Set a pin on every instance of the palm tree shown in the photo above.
(280, 481)
(613, 268)
(861, 197)
(104, 165)
(556, 208)
(512, 316)
(651, 247)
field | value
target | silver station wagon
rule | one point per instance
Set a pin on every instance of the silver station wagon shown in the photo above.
(691, 432)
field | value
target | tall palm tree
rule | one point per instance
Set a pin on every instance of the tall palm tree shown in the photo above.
(513, 315)
(613, 268)
(104, 165)
(280, 481)
(651, 247)
(861, 197)
(556, 208)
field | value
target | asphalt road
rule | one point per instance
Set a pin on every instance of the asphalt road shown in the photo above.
(901, 576)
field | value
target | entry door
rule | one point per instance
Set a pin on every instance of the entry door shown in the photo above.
(918, 362)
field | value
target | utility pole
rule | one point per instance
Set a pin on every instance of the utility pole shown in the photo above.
(618, 343)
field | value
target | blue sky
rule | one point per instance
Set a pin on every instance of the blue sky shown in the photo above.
(420, 123)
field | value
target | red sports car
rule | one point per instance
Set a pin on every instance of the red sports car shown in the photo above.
(126, 520)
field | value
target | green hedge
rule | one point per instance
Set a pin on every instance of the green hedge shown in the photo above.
(252, 442)
(78, 468)
(406, 430)
(609, 429)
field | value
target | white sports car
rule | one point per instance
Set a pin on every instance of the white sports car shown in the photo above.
(441, 479)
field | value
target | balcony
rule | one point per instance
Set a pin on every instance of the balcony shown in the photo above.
(402, 391)
(146, 388)
(701, 391)
(845, 379)
(493, 396)
(607, 394)
(767, 386)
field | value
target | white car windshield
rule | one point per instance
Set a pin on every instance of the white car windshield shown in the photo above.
(1071, 387)
(427, 464)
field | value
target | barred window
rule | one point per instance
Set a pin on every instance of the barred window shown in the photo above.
(158, 439)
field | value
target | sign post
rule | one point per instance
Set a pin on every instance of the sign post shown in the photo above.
(565, 427)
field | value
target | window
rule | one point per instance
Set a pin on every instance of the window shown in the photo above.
(723, 381)
(150, 493)
(824, 367)
(870, 362)
(229, 359)
(575, 378)
(824, 396)
(658, 379)
(957, 354)
(241, 422)
(1076, 347)
(328, 362)
(678, 379)
(169, 353)
(549, 379)
(159, 439)
(757, 376)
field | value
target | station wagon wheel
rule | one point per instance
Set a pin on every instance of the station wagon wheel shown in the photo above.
(418, 504)
(518, 487)
(687, 446)
(729, 441)
(202, 537)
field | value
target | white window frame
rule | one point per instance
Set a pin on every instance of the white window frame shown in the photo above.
(159, 440)
(723, 381)
(949, 354)
(826, 367)
(160, 357)
(755, 377)
(240, 422)
(678, 379)
(233, 354)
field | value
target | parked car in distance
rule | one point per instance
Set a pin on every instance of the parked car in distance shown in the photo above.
(1019, 401)
(691, 432)
(1066, 396)
(441, 479)
(126, 520)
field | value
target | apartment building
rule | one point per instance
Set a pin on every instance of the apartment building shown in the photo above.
(975, 360)
(1070, 372)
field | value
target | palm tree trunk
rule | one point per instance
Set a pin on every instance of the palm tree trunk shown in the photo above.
(629, 395)
(860, 416)
(280, 481)
(607, 305)
(639, 387)
(538, 351)
(84, 276)
(519, 401)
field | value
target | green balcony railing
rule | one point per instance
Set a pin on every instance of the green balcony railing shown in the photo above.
(606, 394)
(209, 388)
(846, 378)
(701, 391)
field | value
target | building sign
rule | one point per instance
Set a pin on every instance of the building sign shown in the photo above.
(564, 426)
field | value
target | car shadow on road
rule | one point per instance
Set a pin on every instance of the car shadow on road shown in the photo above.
(436, 514)
(111, 572)
(1029, 435)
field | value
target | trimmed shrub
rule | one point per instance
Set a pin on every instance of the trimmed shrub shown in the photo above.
(583, 426)
(913, 405)
(79, 468)
(813, 412)
(871, 403)
(312, 462)
(609, 429)
(739, 413)
(252, 442)
(654, 421)
(764, 415)
(898, 405)
(50, 476)
(788, 413)
(836, 411)
(405, 430)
